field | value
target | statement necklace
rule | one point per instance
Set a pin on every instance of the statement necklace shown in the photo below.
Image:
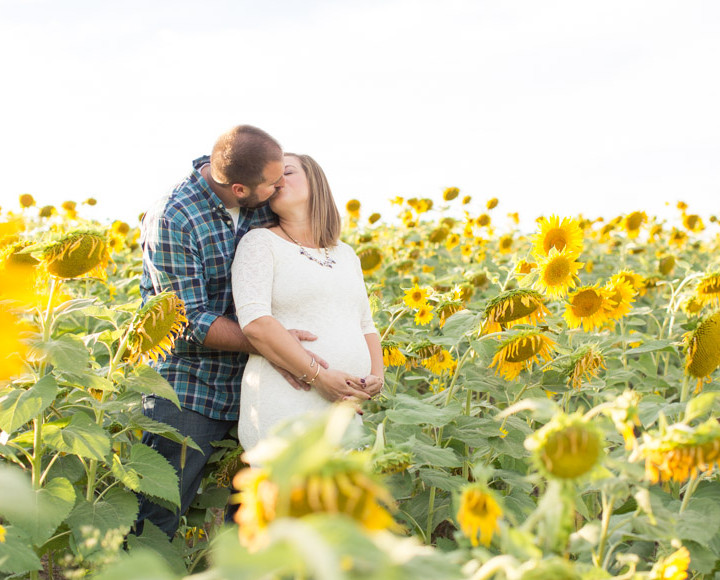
(327, 262)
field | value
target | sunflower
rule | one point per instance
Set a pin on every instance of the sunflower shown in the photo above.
(156, 327)
(680, 452)
(620, 296)
(635, 280)
(439, 234)
(416, 297)
(708, 290)
(478, 514)
(524, 267)
(692, 306)
(702, 348)
(392, 355)
(47, 211)
(567, 447)
(693, 223)
(587, 306)
(483, 220)
(558, 272)
(515, 217)
(371, 259)
(374, 217)
(451, 193)
(585, 364)
(674, 567)
(424, 315)
(424, 349)
(77, 254)
(353, 208)
(678, 238)
(505, 244)
(467, 250)
(520, 306)
(633, 222)
(666, 265)
(27, 200)
(452, 241)
(492, 203)
(520, 351)
(440, 362)
(565, 235)
(18, 281)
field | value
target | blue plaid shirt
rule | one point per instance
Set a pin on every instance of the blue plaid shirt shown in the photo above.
(189, 242)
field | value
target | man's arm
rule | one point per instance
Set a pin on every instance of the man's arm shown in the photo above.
(225, 334)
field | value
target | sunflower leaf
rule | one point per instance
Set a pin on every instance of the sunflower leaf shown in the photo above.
(116, 510)
(148, 472)
(146, 380)
(81, 436)
(18, 406)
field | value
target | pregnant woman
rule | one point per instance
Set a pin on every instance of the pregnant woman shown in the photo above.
(298, 274)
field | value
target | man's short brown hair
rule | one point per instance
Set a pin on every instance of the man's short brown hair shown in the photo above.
(241, 154)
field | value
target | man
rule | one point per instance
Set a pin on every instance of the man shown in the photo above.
(189, 242)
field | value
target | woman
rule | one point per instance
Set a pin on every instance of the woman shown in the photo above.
(298, 274)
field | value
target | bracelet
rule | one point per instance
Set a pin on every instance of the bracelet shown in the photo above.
(303, 378)
(311, 381)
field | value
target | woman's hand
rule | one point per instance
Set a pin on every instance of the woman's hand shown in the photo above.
(335, 385)
(371, 384)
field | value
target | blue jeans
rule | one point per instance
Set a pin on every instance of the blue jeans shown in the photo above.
(203, 430)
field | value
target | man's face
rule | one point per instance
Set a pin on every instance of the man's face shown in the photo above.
(273, 181)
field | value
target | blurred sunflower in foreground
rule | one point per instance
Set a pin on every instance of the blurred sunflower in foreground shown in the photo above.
(478, 514)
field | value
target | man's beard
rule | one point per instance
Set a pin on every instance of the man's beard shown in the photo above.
(252, 201)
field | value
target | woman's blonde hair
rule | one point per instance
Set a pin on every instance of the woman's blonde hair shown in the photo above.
(325, 220)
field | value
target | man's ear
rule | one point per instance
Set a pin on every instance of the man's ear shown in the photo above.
(239, 189)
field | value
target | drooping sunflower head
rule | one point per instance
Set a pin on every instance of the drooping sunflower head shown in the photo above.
(565, 235)
(519, 306)
(492, 203)
(621, 295)
(371, 259)
(478, 514)
(557, 273)
(567, 447)
(439, 234)
(446, 308)
(587, 306)
(679, 451)
(156, 327)
(702, 348)
(520, 351)
(353, 208)
(424, 349)
(708, 290)
(585, 364)
(76, 254)
(666, 264)
(374, 217)
(392, 355)
(633, 222)
(392, 460)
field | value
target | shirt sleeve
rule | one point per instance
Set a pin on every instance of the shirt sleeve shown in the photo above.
(366, 320)
(252, 277)
(173, 263)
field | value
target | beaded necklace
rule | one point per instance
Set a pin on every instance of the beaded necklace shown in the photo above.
(327, 262)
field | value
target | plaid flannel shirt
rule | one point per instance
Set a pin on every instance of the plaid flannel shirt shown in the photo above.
(188, 246)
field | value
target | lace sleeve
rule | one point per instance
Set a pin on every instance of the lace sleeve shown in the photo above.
(252, 277)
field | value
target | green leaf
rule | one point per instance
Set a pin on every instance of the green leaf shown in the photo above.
(50, 506)
(148, 472)
(67, 353)
(653, 346)
(142, 564)
(154, 540)
(80, 437)
(424, 454)
(701, 559)
(18, 406)
(700, 521)
(411, 411)
(16, 553)
(116, 510)
(140, 421)
(699, 405)
(17, 498)
(146, 380)
(441, 479)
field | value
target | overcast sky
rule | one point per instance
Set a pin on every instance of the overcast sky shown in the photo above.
(567, 106)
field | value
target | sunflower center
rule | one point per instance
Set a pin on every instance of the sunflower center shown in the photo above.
(586, 303)
(555, 238)
(557, 271)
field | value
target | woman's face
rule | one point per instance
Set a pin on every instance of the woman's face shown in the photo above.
(295, 192)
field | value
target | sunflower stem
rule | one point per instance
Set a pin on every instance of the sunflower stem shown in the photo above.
(431, 510)
(689, 490)
(393, 320)
(684, 393)
(607, 507)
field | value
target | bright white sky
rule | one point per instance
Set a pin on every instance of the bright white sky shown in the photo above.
(553, 106)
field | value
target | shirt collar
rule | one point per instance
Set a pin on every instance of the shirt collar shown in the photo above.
(214, 201)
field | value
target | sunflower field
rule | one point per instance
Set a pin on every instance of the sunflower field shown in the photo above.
(550, 408)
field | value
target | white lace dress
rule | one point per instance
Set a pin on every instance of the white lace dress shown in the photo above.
(271, 277)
